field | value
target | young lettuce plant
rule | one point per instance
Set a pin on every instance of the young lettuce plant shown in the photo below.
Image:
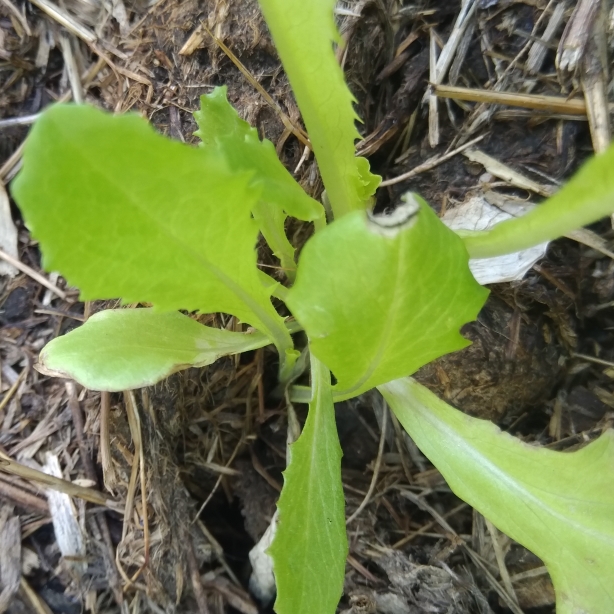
(121, 211)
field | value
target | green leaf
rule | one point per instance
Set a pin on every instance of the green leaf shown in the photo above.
(272, 223)
(379, 301)
(122, 211)
(560, 505)
(586, 198)
(222, 130)
(310, 546)
(120, 349)
(304, 33)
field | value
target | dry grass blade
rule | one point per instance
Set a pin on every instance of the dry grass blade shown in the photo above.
(8, 233)
(138, 469)
(65, 524)
(10, 561)
(38, 605)
(448, 52)
(71, 68)
(500, 556)
(20, 497)
(24, 268)
(88, 494)
(12, 390)
(423, 505)
(433, 103)
(577, 34)
(431, 163)
(548, 104)
(537, 53)
(66, 19)
(298, 132)
(498, 169)
(376, 468)
(109, 476)
(594, 80)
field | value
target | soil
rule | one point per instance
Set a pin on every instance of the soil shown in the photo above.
(212, 441)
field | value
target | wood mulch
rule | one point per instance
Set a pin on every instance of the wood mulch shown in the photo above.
(159, 494)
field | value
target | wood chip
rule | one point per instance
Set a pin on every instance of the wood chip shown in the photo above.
(65, 524)
(10, 561)
(8, 234)
(576, 35)
(498, 169)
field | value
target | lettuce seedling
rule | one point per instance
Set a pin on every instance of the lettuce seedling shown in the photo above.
(124, 212)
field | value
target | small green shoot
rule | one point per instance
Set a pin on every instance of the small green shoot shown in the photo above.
(224, 133)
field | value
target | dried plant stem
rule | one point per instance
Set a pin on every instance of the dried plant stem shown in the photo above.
(376, 468)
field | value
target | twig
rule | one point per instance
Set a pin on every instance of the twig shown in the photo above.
(447, 53)
(109, 476)
(539, 48)
(199, 592)
(423, 505)
(598, 361)
(594, 79)
(24, 268)
(24, 120)
(77, 419)
(287, 122)
(505, 576)
(134, 422)
(22, 498)
(11, 391)
(71, 68)
(65, 19)
(376, 468)
(552, 104)
(88, 494)
(236, 597)
(433, 101)
(218, 481)
(498, 169)
(19, 16)
(14, 159)
(576, 35)
(431, 163)
(362, 570)
(423, 530)
(90, 472)
(219, 551)
(40, 607)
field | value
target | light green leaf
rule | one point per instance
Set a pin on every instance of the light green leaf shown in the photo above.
(121, 349)
(122, 211)
(272, 223)
(304, 33)
(310, 546)
(558, 505)
(586, 198)
(379, 301)
(222, 130)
